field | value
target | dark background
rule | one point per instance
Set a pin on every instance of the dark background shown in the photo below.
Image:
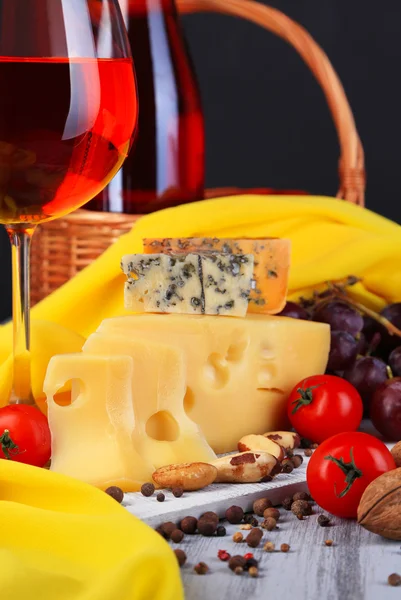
(267, 122)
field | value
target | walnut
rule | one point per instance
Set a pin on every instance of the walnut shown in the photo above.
(379, 508)
(396, 452)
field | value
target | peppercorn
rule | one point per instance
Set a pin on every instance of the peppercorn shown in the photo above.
(148, 489)
(181, 556)
(300, 496)
(394, 579)
(248, 518)
(177, 536)
(285, 547)
(305, 443)
(308, 452)
(168, 528)
(238, 537)
(254, 537)
(236, 561)
(289, 453)
(221, 531)
(177, 492)
(269, 524)
(301, 507)
(269, 547)
(116, 493)
(211, 516)
(314, 446)
(238, 570)
(160, 531)
(287, 503)
(297, 461)
(246, 527)
(250, 562)
(328, 542)
(271, 512)
(223, 555)
(253, 572)
(323, 520)
(201, 568)
(189, 525)
(160, 497)
(259, 506)
(207, 527)
(234, 515)
(287, 466)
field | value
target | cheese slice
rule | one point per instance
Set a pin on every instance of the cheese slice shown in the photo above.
(271, 268)
(163, 433)
(239, 372)
(215, 284)
(91, 437)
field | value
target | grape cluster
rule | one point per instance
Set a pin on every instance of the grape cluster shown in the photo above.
(363, 352)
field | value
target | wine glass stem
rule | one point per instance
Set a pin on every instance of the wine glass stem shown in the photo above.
(20, 238)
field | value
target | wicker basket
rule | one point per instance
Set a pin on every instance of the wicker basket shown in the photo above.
(64, 247)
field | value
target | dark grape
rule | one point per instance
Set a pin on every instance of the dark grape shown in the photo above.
(340, 316)
(371, 327)
(295, 311)
(389, 342)
(385, 409)
(362, 344)
(394, 361)
(366, 375)
(343, 351)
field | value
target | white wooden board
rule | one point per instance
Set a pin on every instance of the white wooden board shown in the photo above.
(217, 497)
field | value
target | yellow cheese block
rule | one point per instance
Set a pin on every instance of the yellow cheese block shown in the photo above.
(239, 372)
(91, 437)
(163, 433)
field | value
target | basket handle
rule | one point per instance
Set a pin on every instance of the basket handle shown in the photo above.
(352, 161)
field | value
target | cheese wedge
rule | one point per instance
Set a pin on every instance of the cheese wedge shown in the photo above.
(91, 437)
(239, 372)
(271, 268)
(214, 284)
(163, 433)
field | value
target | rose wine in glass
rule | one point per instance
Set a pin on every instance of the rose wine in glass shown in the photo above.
(68, 109)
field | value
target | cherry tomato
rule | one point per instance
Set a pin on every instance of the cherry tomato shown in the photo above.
(342, 467)
(24, 435)
(324, 405)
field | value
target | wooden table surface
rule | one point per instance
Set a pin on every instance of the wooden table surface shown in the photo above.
(356, 567)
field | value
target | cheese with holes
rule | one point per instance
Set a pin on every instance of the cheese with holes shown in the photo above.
(213, 284)
(91, 437)
(239, 372)
(271, 269)
(126, 418)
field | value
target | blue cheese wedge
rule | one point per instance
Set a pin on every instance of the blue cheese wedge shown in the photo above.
(208, 284)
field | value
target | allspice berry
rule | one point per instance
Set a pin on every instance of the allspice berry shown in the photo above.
(287, 465)
(168, 528)
(300, 496)
(234, 515)
(177, 536)
(269, 524)
(259, 506)
(254, 537)
(116, 493)
(238, 537)
(210, 515)
(301, 507)
(160, 497)
(177, 492)
(328, 542)
(236, 561)
(297, 461)
(201, 568)
(207, 527)
(181, 556)
(286, 503)
(189, 525)
(394, 579)
(272, 512)
(221, 531)
(285, 547)
(253, 571)
(323, 520)
(308, 452)
(148, 489)
(269, 547)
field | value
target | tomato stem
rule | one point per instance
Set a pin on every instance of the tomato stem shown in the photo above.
(305, 397)
(352, 473)
(7, 445)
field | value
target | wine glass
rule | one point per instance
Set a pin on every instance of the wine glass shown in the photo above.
(68, 109)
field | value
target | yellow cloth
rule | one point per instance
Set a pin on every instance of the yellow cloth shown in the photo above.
(64, 540)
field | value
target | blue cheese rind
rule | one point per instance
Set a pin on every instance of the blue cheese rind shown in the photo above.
(212, 284)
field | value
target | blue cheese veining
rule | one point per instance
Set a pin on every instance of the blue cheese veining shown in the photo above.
(210, 284)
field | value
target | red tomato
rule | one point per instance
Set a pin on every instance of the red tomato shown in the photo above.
(342, 467)
(324, 405)
(24, 435)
